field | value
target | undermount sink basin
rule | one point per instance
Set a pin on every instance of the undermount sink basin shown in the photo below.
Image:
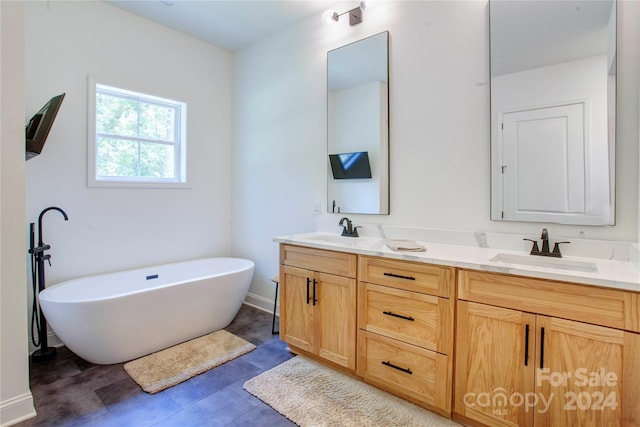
(350, 242)
(331, 238)
(546, 262)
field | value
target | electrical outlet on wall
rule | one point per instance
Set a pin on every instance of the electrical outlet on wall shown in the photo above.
(316, 207)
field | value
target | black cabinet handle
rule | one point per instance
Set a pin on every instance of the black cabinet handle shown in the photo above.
(541, 348)
(391, 365)
(389, 313)
(526, 345)
(399, 276)
(308, 297)
(314, 292)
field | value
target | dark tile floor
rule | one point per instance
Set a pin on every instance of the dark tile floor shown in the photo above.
(69, 391)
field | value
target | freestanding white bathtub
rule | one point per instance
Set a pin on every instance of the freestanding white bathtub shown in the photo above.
(112, 318)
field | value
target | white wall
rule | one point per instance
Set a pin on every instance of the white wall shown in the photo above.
(637, 246)
(113, 229)
(439, 121)
(16, 402)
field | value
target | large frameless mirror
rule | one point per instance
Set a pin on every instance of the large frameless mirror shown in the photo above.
(553, 85)
(358, 127)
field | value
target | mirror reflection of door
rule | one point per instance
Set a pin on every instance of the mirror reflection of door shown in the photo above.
(544, 158)
(553, 71)
(358, 128)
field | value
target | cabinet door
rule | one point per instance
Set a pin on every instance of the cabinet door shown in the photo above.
(494, 364)
(297, 312)
(580, 375)
(336, 319)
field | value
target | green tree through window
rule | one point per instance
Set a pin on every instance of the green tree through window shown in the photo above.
(138, 137)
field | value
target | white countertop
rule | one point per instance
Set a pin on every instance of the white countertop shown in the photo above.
(610, 273)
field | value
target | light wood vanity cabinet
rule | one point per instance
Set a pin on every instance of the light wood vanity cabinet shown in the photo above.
(528, 352)
(405, 335)
(318, 303)
(532, 352)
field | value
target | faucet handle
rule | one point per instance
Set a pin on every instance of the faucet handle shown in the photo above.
(534, 248)
(556, 249)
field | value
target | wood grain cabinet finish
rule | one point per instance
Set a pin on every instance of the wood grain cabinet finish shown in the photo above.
(318, 309)
(591, 304)
(405, 335)
(528, 352)
(518, 367)
(413, 276)
(411, 317)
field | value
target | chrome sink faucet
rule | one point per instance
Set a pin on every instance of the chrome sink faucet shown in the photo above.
(545, 246)
(348, 230)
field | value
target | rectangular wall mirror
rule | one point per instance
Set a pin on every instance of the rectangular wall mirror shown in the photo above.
(358, 127)
(553, 86)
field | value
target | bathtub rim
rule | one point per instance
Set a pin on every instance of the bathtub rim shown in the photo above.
(250, 266)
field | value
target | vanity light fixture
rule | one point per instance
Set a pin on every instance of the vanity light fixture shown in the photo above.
(355, 15)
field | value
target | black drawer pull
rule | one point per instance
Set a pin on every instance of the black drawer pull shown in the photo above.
(391, 365)
(315, 300)
(526, 345)
(389, 313)
(399, 276)
(541, 348)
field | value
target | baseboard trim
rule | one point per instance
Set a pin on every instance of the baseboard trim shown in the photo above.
(17, 409)
(261, 303)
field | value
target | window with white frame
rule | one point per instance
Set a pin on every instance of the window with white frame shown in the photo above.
(138, 139)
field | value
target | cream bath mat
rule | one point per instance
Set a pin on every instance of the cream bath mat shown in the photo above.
(311, 395)
(176, 364)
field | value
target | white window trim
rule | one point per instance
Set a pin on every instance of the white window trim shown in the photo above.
(131, 182)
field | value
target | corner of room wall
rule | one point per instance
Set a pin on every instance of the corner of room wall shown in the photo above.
(279, 133)
(16, 401)
(439, 129)
(278, 127)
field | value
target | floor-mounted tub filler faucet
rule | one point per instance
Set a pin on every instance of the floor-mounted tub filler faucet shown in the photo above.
(545, 246)
(348, 230)
(44, 211)
(38, 258)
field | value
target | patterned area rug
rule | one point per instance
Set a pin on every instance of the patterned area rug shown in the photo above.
(310, 394)
(176, 364)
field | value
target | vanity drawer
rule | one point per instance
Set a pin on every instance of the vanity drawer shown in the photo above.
(590, 304)
(418, 319)
(339, 263)
(412, 372)
(407, 275)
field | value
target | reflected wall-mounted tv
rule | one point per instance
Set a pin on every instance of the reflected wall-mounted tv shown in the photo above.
(350, 165)
(38, 128)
